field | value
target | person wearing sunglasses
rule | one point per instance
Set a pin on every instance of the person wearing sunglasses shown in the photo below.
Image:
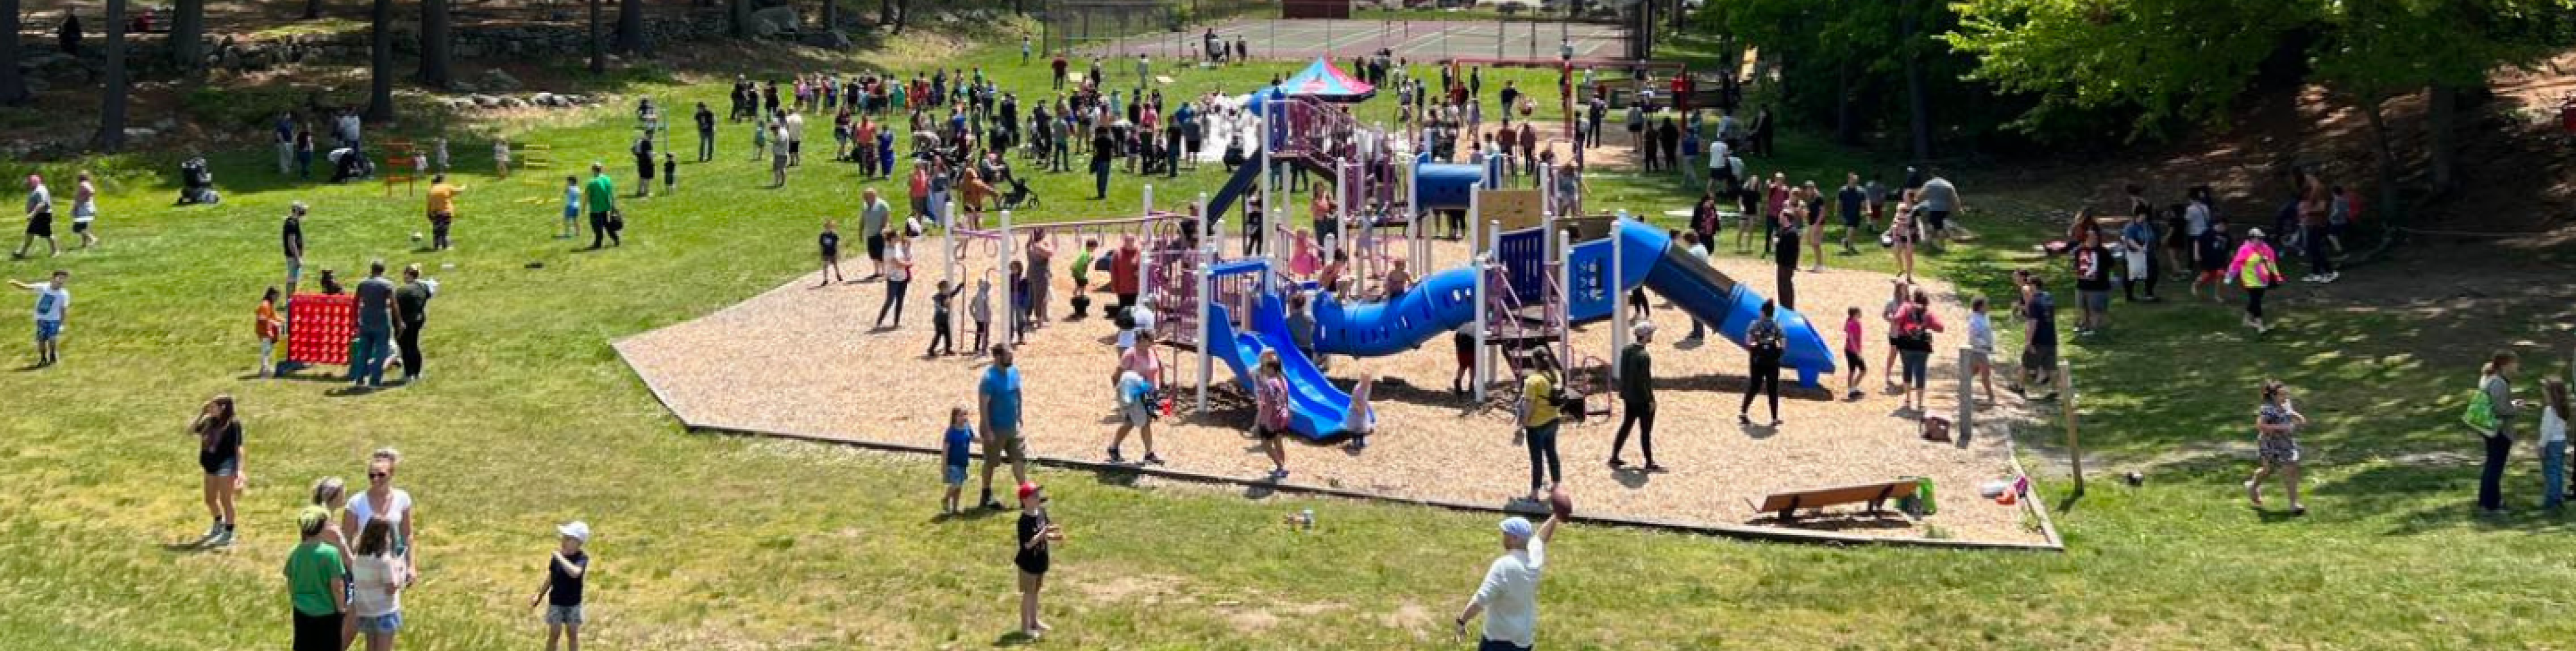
(383, 500)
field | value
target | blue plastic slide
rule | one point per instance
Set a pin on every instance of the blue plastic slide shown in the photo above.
(1444, 300)
(1316, 408)
(1235, 187)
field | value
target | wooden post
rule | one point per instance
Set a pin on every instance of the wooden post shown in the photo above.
(2074, 445)
(1965, 424)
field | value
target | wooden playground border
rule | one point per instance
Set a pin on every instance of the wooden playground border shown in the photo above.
(1741, 532)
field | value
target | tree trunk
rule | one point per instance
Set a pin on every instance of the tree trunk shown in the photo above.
(896, 13)
(599, 54)
(831, 14)
(630, 28)
(435, 37)
(1918, 107)
(188, 34)
(1846, 129)
(312, 9)
(380, 63)
(2441, 110)
(13, 88)
(738, 15)
(111, 105)
(2389, 213)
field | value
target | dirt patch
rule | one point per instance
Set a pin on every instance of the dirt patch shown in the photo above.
(1129, 588)
(1409, 616)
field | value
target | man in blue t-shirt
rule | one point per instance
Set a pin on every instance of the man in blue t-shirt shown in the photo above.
(997, 398)
(1851, 200)
(375, 298)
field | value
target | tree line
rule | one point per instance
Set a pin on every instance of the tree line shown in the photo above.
(1977, 73)
(436, 69)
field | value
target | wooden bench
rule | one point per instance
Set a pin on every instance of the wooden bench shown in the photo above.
(1876, 495)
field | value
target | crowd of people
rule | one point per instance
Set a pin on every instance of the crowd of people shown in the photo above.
(958, 130)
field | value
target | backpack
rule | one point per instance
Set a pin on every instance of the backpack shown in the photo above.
(1910, 331)
(2480, 415)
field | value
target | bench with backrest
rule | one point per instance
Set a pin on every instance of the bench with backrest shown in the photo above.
(1785, 505)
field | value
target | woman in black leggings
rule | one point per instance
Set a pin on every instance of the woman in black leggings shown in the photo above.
(1766, 342)
(898, 276)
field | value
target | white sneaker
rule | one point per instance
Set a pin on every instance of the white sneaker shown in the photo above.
(2331, 277)
(2312, 278)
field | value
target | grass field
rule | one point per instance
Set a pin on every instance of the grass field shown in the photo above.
(731, 543)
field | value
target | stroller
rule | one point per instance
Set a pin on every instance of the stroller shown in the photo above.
(196, 184)
(1019, 196)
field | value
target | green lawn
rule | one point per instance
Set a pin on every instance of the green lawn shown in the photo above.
(733, 543)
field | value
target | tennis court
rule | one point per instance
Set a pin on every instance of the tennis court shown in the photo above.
(1416, 40)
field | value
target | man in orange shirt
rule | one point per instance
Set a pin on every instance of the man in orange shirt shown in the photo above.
(442, 210)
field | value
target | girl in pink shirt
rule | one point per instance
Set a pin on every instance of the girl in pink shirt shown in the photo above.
(1270, 412)
(1852, 353)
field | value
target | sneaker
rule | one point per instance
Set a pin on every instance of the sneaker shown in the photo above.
(1743, 419)
(1114, 457)
(213, 531)
(2332, 276)
(2312, 278)
(1279, 474)
(223, 538)
(1152, 460)
(1653, 467)
(1616, 463)
(1854, 395)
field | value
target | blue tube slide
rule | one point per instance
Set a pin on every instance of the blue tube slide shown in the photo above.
(1444, 300)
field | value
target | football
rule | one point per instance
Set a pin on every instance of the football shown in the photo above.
(1560, 503)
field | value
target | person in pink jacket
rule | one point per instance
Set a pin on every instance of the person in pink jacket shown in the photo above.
(2256, 268)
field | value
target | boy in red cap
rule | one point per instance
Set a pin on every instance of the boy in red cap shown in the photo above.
(1036, 533)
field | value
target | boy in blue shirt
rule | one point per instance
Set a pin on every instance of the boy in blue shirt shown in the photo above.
(953, 456)
(572, 209)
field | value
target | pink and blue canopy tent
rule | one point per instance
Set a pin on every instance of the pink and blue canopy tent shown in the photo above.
(1320, 80)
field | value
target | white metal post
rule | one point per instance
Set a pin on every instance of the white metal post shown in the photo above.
(1010, 324)
(1207, 295)
(1420, 250)
(1342, 210)
(1618, 285)
(1564, 299)
(1477, 374)
(1207, 224)
(1494, 253)
(1149, 200)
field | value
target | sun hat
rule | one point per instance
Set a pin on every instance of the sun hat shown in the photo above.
(1517, 527)
(576, 530)
(1027, 489)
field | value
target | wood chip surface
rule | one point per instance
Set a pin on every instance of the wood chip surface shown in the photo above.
(806, 361)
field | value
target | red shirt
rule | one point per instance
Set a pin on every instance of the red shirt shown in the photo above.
(1123, 271)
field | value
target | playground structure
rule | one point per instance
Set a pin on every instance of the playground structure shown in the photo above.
(1520, 298)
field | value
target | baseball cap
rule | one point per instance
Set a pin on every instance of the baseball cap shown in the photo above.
(1027, 489)
(2256, 233)
(1517, 527)
(1645, 328)
(576, 530)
